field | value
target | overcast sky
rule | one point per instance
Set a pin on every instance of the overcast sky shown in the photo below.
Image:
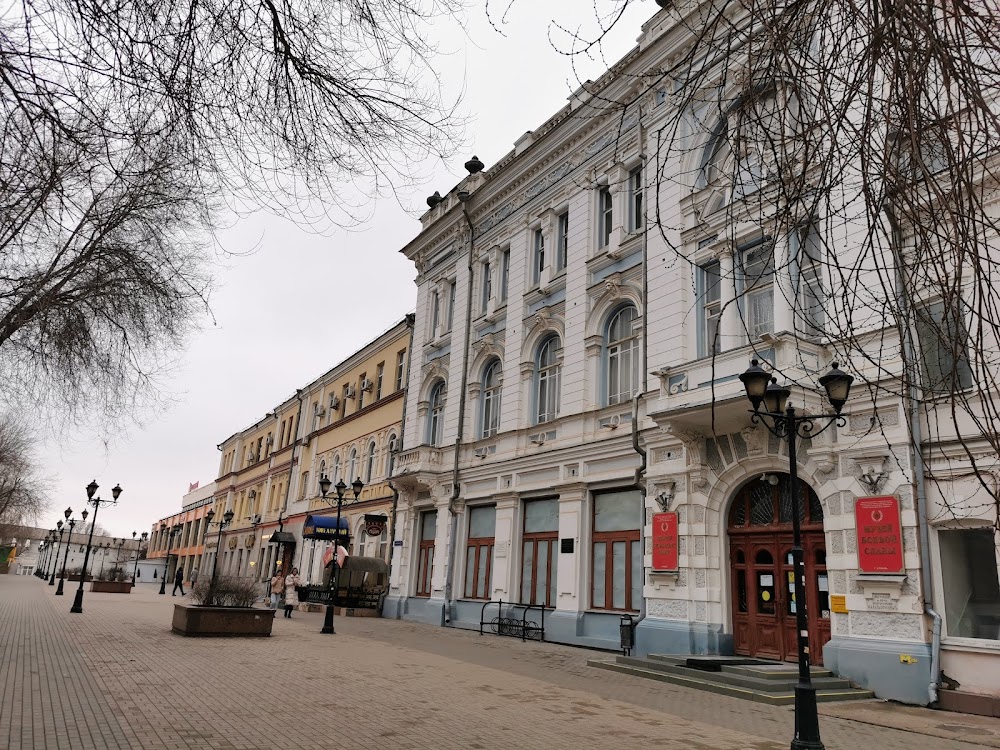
(302, 302)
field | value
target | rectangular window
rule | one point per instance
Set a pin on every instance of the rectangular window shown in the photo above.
(281, 435)
(617, 551)
(971, 583)
(379, 375)
(400, 362)
(710, 291)
(487, 286)
(479, 552)
(343, 400)
(361, 390)
(451, 305)
(758, 289)
(562, 241)
(538, 256)
(425, 563)
(811, 297)
(504, 273)
(435, 305)
(540, 552)
(943, 340)
(605, 217)
(635, 214)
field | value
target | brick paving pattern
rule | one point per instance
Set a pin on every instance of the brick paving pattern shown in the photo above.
(116, 677)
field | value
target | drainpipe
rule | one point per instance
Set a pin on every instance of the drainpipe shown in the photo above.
(410, 319)
(291, 466)
(918, 481)
(640, 473)
(463, 196)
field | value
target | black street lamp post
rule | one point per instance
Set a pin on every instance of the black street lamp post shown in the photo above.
(277, 552)
(762, 388)
(59, 525)
(104, 556)
(227, 518)
(118, 557)
(138, 550)
(324, 487)
(174, 531)
(97, 503)
(69, 540)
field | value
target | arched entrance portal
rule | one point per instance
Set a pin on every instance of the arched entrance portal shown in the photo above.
(760, 558)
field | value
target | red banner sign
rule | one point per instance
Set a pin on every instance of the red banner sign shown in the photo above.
(665, 550)
(880, 535)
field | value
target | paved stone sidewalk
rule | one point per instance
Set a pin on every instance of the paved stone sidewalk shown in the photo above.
(116, 677)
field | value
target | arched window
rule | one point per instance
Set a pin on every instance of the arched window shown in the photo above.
(352, 465)
(435, 422)
(491, 399)
(621, 358)
(322, 473)
(547, 376)
(370, 462)
(336, 469)
(362, 539)
(390, 461)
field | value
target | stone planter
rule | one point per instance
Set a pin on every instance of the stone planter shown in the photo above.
(76, 577)
(112, 587)
(193, 620)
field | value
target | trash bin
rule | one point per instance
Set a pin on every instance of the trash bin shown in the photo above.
(627, 630)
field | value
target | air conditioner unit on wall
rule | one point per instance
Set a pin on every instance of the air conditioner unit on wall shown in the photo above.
(319, 411)
(367, 385)
(334, 402)
(481, 452)
(351, 393)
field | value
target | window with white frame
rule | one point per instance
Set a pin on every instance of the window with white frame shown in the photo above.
(562, 241)
(621, 355)
(491, 399)
(971, 584)
(452, 286)
(435, 416)
(479, 552)
(391, 448)
(425, 553)
(943, 340)
(322, 474)
(605, 216)
(540, 552)
(504, 273)
(435, 312)
(635, 214)
(336, 469)
(370, 462)
(379, 376)
(757, 266)
(486, 286)
(547, 377)
(709, 308)
(538, 256)
(810, 294)
(352, 465)
(400, 368)
(361, 541)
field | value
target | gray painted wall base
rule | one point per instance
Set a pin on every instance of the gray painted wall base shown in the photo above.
(392, 607)
(429, 611)
(875, 665)
(590, 629)
(657, 636)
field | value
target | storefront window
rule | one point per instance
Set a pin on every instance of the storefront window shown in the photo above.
(617, 551)
(540, 554)
(425, 566)
(479, 552)
(971, 584)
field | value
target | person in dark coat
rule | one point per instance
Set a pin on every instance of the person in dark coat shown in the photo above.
(178, 581)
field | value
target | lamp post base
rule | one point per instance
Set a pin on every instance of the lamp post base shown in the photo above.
(806, 719)
(52, 580)
(59, 591)
(328, 621)
(77, 602)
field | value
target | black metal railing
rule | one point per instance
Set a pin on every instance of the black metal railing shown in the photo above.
(511, 626)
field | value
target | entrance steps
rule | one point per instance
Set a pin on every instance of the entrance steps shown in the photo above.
(756, 680)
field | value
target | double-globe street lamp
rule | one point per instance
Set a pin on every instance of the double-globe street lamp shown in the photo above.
(324, 486)
(50, 551)
(138, 551)
(227, 518)
(69, 540)
(59, 525)
(97, 502)
(104, 557)
(780, 419)
(174, 531)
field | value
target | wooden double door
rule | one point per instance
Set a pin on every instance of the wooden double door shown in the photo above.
(763, 579)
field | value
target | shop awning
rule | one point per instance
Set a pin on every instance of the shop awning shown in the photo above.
(282, 537)
(325, 527)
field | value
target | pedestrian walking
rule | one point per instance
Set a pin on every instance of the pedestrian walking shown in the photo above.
(291, 582)
(277, 588)
(178, 581)
(193, 576)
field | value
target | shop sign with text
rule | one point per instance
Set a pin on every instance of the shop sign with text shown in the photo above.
(665, 550)
(880, 535)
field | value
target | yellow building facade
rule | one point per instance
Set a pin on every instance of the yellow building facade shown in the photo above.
(347, 425)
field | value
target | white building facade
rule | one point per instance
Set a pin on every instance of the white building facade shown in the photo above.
(575, 374)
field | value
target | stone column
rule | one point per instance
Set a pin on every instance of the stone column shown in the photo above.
(506, 556)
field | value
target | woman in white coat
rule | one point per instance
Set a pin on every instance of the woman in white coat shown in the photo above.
(291, 583)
